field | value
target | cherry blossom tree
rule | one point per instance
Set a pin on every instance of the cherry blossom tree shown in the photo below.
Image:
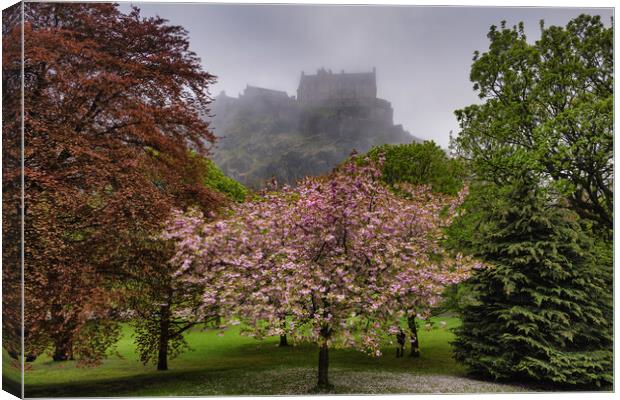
(340, 259)
(421, 281)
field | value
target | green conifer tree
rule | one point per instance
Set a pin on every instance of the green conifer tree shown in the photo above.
(542, 309)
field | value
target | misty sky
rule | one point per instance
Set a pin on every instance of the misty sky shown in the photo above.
(422, 54)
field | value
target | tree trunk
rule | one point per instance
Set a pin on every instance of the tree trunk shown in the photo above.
(63, 337)
(283, 341)
(164, 332)
(413, 337)
(63, 348)
(323, 382)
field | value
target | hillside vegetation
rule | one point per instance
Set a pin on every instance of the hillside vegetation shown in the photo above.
(259, 141)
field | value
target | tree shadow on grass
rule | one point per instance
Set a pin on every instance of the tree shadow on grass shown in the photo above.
(164, 380)
(220, 372)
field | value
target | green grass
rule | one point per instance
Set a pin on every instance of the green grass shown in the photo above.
(232, 365)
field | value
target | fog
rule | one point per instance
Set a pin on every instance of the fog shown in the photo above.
(422, 55)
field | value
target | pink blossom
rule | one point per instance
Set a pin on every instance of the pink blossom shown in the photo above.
(339, 257)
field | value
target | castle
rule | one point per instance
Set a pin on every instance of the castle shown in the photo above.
(326, 86)
(353, 94)
(253, 92)
(265, 134)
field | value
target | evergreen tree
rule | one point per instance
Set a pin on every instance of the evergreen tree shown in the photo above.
(542, 309)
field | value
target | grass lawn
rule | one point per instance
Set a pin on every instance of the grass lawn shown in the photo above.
(234, 365)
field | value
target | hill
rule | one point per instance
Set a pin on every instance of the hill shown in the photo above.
(265, 134)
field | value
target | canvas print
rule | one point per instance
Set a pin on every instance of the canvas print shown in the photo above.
(208, 199)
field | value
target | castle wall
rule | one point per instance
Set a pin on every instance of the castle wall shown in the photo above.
(256, 92)
(328, 86)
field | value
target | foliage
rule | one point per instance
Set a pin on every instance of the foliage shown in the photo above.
(162, 308)
(94, 338)
(341, 256)
(420, 164)
(542, 311)
(547, 108)
(215, 179)
(147, 338)
(540, 147)
(11, 184)
(103, 91)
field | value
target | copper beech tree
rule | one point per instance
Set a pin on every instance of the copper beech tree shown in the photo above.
(113, 106)
(11, 183)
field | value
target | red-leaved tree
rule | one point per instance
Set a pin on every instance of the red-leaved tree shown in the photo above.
(11, 184)
(113, 106)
